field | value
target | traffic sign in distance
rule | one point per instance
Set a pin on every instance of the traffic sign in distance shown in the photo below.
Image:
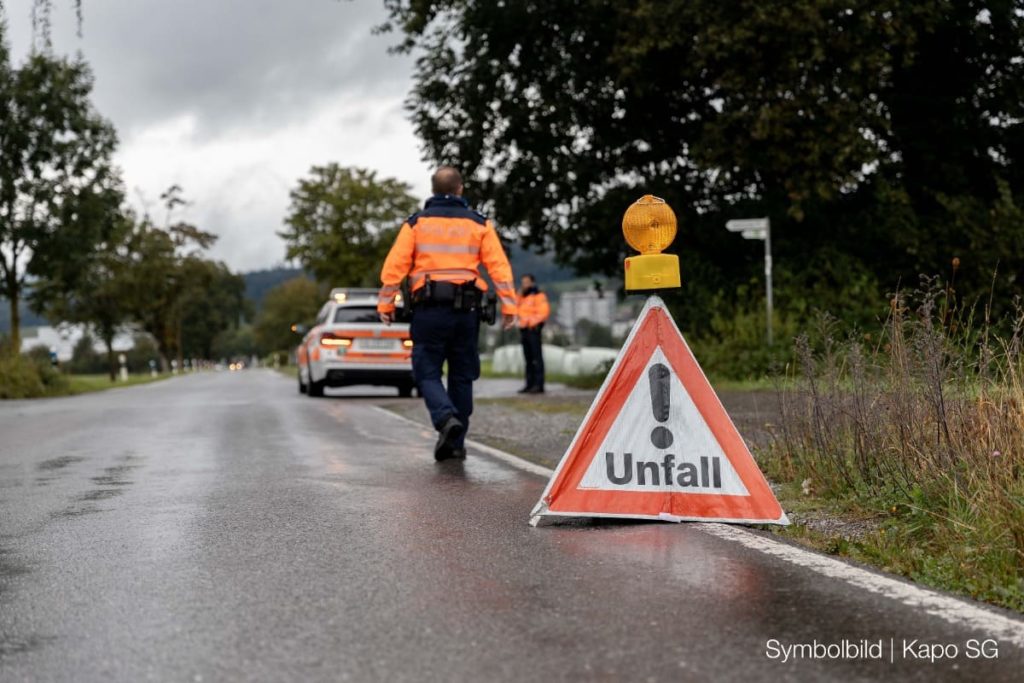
(744, 224)
(658, 444)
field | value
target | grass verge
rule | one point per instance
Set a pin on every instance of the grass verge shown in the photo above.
(83, 384)
(920, 437)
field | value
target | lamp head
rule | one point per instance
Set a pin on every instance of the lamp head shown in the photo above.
(649, 225)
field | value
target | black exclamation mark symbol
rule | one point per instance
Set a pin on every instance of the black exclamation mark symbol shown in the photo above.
(658, 375)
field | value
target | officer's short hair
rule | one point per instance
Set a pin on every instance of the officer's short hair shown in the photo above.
(530, 275)
(446, 180)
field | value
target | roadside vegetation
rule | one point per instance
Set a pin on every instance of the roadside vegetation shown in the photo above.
(33, 375)
(904, 448)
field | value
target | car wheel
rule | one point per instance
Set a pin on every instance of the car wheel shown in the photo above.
(316, 389)
(302, 387)
(405, 390)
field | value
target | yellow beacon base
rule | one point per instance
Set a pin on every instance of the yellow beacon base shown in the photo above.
(652, 271)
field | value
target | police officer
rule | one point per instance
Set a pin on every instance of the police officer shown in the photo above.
(533, 313)
(440, 249)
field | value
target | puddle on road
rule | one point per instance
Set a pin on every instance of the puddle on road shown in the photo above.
(59, 463)
(100, 494)
(11, 645)
(76, 511)
(9, 567)
(112, 482)
(115, 476)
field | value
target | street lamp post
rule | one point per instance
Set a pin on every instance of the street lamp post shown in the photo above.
(759, 229)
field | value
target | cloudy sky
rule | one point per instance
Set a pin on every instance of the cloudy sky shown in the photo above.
(235, 99)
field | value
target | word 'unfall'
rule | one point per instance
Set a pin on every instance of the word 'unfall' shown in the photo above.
(653, 473)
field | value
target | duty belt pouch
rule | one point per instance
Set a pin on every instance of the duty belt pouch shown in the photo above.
(467, 297)
(443, 292)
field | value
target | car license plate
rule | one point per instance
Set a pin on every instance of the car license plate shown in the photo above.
(377, 344)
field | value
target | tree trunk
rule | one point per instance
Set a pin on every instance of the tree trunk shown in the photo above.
(13, 293)
(181, 351)
(111, 365)
(12, 288)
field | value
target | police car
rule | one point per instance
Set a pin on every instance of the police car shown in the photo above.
(349, 345)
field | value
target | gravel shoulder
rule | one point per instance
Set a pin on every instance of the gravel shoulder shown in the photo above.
(540, 428)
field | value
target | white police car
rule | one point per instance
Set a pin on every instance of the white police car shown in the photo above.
(348, 345)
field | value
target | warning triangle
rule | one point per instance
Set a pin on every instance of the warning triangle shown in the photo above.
(657, 443)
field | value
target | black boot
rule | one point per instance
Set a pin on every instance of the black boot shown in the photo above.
(450, 431)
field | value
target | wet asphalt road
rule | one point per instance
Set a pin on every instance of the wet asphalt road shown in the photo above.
(222, 527)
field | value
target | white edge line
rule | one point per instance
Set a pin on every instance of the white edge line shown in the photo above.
(495, 453)
(951, 609)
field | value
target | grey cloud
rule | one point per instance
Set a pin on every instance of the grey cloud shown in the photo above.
(230, 63)
(245, 71)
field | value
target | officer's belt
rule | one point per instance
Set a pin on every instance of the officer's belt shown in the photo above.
(464, 295)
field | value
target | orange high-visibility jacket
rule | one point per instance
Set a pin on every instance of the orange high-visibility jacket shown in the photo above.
(533, 308)
(447, 241)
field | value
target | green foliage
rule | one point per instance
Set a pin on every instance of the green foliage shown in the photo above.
(85, 360)
(214, 303)
(54, 162)
(342, 221)
(182, 299)
(29, 375)
(920, 424)
(235, 342)
(882, 138)
(92, 290)
(142, 352)
(293, 302)
(19, 377)
(594, 334)
(736, 347)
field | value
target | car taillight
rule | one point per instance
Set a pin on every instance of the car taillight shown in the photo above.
(329, 339)
(407, 343)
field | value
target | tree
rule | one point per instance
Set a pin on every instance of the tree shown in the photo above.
(54, 154)
(877, 135)
(213, 303)
(594, 334)
(295, 301)
(160, 275)
(341, 223)
(91, 289)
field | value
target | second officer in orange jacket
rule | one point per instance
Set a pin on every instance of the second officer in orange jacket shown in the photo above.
(533, 313)
(440, 249)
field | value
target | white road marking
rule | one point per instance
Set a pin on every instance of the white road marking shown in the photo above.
(953, 610)
(508, 458)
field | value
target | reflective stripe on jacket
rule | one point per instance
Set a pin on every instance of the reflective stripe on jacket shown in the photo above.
(533, 308)
(447, 241)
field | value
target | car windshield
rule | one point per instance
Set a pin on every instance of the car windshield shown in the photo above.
(356, 314)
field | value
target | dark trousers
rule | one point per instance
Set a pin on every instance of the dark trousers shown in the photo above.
(534, 354)
(441, 334)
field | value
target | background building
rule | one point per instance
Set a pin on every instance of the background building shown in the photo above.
(588, 305)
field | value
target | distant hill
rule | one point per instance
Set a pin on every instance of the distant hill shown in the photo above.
(541, 266)
(259, 282)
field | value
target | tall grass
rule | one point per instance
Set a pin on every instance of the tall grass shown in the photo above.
(922, 424)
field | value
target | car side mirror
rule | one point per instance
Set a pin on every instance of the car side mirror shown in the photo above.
(299, 328)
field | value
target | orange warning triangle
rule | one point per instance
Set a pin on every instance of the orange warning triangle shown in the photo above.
(657, 443)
